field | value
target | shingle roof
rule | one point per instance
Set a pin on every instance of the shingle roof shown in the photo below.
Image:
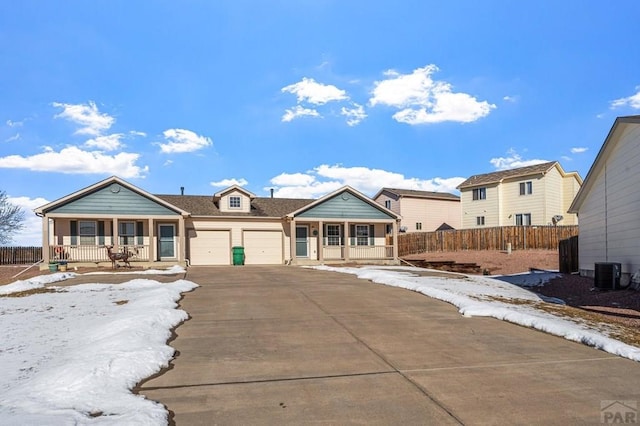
(203, 205)
(496, 177)
(421, 194)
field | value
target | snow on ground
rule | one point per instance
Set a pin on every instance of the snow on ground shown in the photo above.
(73, 356)
(491, 297)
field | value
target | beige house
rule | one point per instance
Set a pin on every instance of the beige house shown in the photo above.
(156, 230)
(608, 203)
(422, 210)
(534, 195)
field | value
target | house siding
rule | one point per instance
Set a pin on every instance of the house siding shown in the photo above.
(338, 207)
(396, 205)
(430, 212)
(513, 203)
(570, 187)
(245, 202)
(489, 208)
(106, 201)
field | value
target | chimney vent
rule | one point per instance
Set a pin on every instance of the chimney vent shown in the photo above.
(182, 190)
(271, 192)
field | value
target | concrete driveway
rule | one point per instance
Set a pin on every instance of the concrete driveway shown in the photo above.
(287, 345)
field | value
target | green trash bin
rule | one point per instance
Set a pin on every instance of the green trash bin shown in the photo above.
(238, 255)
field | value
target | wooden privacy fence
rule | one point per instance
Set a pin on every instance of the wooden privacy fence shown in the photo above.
(568, 255)
(496, 238)
(20, 255)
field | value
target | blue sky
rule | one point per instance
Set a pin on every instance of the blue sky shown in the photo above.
(304, 96)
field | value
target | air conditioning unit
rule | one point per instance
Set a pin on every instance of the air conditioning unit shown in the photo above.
(607, 275)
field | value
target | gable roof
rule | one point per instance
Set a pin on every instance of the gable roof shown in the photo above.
(232, 188)
(414, 193)
(103, 184)
(204, 205)
(498, 177)
(612, 139)
(353, 192)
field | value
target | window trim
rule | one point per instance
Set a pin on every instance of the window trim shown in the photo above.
(124, 237)
(480, 221)
(418, 226)
(233, 198)
(330, 239)
(526, 188)
(360, 237)
(387, 204)
(479, 194)
(87, 236)
(520, 217)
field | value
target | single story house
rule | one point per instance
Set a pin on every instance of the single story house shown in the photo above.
(608, 204)
(156, 230)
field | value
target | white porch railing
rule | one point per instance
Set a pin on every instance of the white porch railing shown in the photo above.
(358, 252)
(95, 253)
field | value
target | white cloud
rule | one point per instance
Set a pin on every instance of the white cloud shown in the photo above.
(354, 115)
(512, 99)
(566, 158)
(73, 160)
(106, 143)
(12, 123)
(325, 179)
(633, 101)
(422, 100)
(579, 150)
(181, 140)
(513, 161)
(308, 90)
(31, 234)
(225, 183)
(298, 111)
(93, 122)
(13, 138)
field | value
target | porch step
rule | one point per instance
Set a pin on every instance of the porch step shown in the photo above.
(447, 265)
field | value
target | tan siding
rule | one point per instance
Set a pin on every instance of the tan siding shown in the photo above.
(513, 203)
(395, 202)
(474, 208)
(570, 187)
(245, 202)
(431, 213)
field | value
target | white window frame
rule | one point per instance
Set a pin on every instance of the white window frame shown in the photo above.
(83, 238)
(418, 226)
(362, 235)
(526, 188)
(479, 194)
(333, 239)
(523, 219)
(232, 202)
(387, 204)
(124, 238)
(479, 220)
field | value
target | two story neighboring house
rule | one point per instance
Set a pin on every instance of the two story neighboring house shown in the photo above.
(421, 210)
(533, 195)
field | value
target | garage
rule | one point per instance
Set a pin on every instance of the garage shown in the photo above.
(210, 247)
(263, 247)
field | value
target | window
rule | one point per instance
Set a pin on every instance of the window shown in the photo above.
(480, 220)
(87, 233)
(526, 188)
(480, 193)
(362, 235)
(418, 226)
(387, 204)
(523, 219)
(127, 233)
(234, 202)
(333, 235)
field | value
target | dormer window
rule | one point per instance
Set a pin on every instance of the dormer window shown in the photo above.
(234, 202)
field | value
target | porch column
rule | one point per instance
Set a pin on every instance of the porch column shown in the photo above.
(292, 241)
(394, 226)
(347, 241)
(152, 245)
(45, 239)
(320, 242)
(182, 240)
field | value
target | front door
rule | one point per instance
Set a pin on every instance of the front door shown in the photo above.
(302, 241)
(167, 241)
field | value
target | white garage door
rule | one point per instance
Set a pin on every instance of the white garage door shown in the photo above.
(209, 247)
(263, 247)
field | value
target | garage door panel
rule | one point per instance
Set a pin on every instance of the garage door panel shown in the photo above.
(263, 247)
(210, 247)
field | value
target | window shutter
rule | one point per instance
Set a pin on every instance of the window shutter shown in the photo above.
(342, 236)
(139, 233)
(352, 235)
(74, 232)
(372, 241)
(100, 232)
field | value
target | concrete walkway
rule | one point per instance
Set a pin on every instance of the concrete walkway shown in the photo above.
(287, 345)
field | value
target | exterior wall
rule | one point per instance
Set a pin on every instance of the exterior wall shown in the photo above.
(610, 213)
(489, 208)
(513, 203)
(430, 212)
(570, 188)
(245, 202)
(396, 206)
(344, 205)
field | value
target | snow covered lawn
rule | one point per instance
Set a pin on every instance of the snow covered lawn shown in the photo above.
(503, 298)
(72, 355)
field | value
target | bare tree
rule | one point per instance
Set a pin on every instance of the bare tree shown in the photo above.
(11, 219)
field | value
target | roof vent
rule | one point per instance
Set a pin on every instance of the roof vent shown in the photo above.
(182, 190)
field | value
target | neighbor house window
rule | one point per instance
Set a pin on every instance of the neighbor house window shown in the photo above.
(418, 226)
(333, 235)
(480, 193)
(127, 233)
(234, 202)
(523, 219)
(362, 235)
(387, 204)
(526, 188)
(480, 220)
(87, 233)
